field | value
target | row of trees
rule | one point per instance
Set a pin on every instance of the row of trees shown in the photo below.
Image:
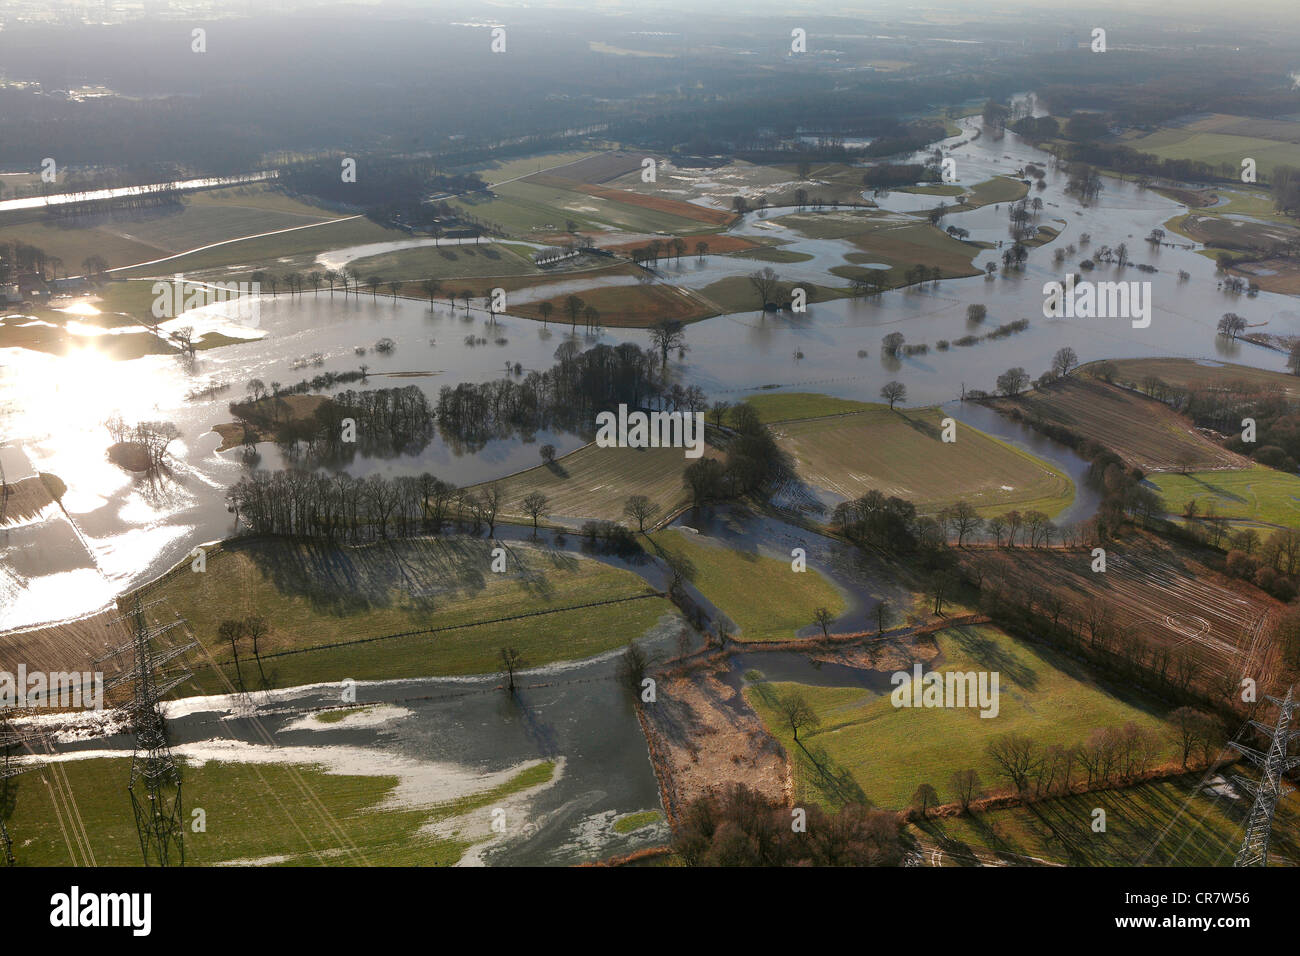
(340, 507)
(1109, 756)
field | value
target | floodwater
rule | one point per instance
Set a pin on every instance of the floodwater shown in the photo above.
(132, 528)
(115, 530)
(187, 185)
(459, 729)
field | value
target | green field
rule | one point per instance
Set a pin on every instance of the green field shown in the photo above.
(1256, 494)
(1255, 202)
(736, 294)
(889, 242)
(901, 453)
(528, 206)
(786, 406)
(449, 262)
(208, 216)
(766, 599)
(285, 252)
(316, 594)
(1171, 822)
(771, 254)
(1147, 434)
(635, 821)
(501, 170)
(595, 483)
(277, 814)
(999, 189)
(1188, 373)
(1219, 148)
(870, 750)
(938, 189)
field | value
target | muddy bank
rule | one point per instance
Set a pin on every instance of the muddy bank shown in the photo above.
(704, 736)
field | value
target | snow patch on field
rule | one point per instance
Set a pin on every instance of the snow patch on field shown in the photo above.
(367, 716)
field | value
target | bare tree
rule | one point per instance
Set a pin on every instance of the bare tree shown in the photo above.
(965, 787)
(632, 667)
(232, 631)
(965, 520)
(823, 618)
(666, 335)
(535, 504)
(1017, 758)
(797, 714)
(256, 628)
(766, 283)
(511, 661)
(925, 797)
(1064, 361)
(489, 502)
(642, 509)
(893, 392)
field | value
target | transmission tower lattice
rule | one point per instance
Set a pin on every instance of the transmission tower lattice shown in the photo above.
(155, 786)
(10, 741)
(1271, 786)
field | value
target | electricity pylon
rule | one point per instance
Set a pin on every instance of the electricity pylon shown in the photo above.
(155, 786)
(10, 741)
(1271, 786)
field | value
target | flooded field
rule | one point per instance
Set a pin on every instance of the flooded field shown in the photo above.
(113, 529)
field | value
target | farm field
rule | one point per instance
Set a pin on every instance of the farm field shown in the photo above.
(1254, 494)
(626, 306)
(904, 245)
(498, 171)
(866, 749)
(1223, 140)
(764, 598)
(736, 294)
(770, 254)
(316, 595)
(595, 483)
(901, 453)
(489, 259)
(775, 407)
(1146, 433)
(546, 203)
(206, 217)
(1152, 589)
(1179, 821)
(1223, 233)
(1255, 202)
(999, 189)
(1189, 373)
(270, 812)
(284, 252)
(718, 185)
